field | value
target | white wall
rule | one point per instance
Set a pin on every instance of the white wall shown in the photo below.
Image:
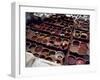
(5, 41)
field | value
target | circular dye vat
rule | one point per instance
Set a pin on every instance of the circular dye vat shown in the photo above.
(84, 36)
(44, 41)
(42, 56)
(83, 49)
(80, 61)
(39, 40)
(52, 38)
(34, 38)
(77, 34)
(71, 60)
(45, 52)
(38, 49)
(76, 43)
(59, 55)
